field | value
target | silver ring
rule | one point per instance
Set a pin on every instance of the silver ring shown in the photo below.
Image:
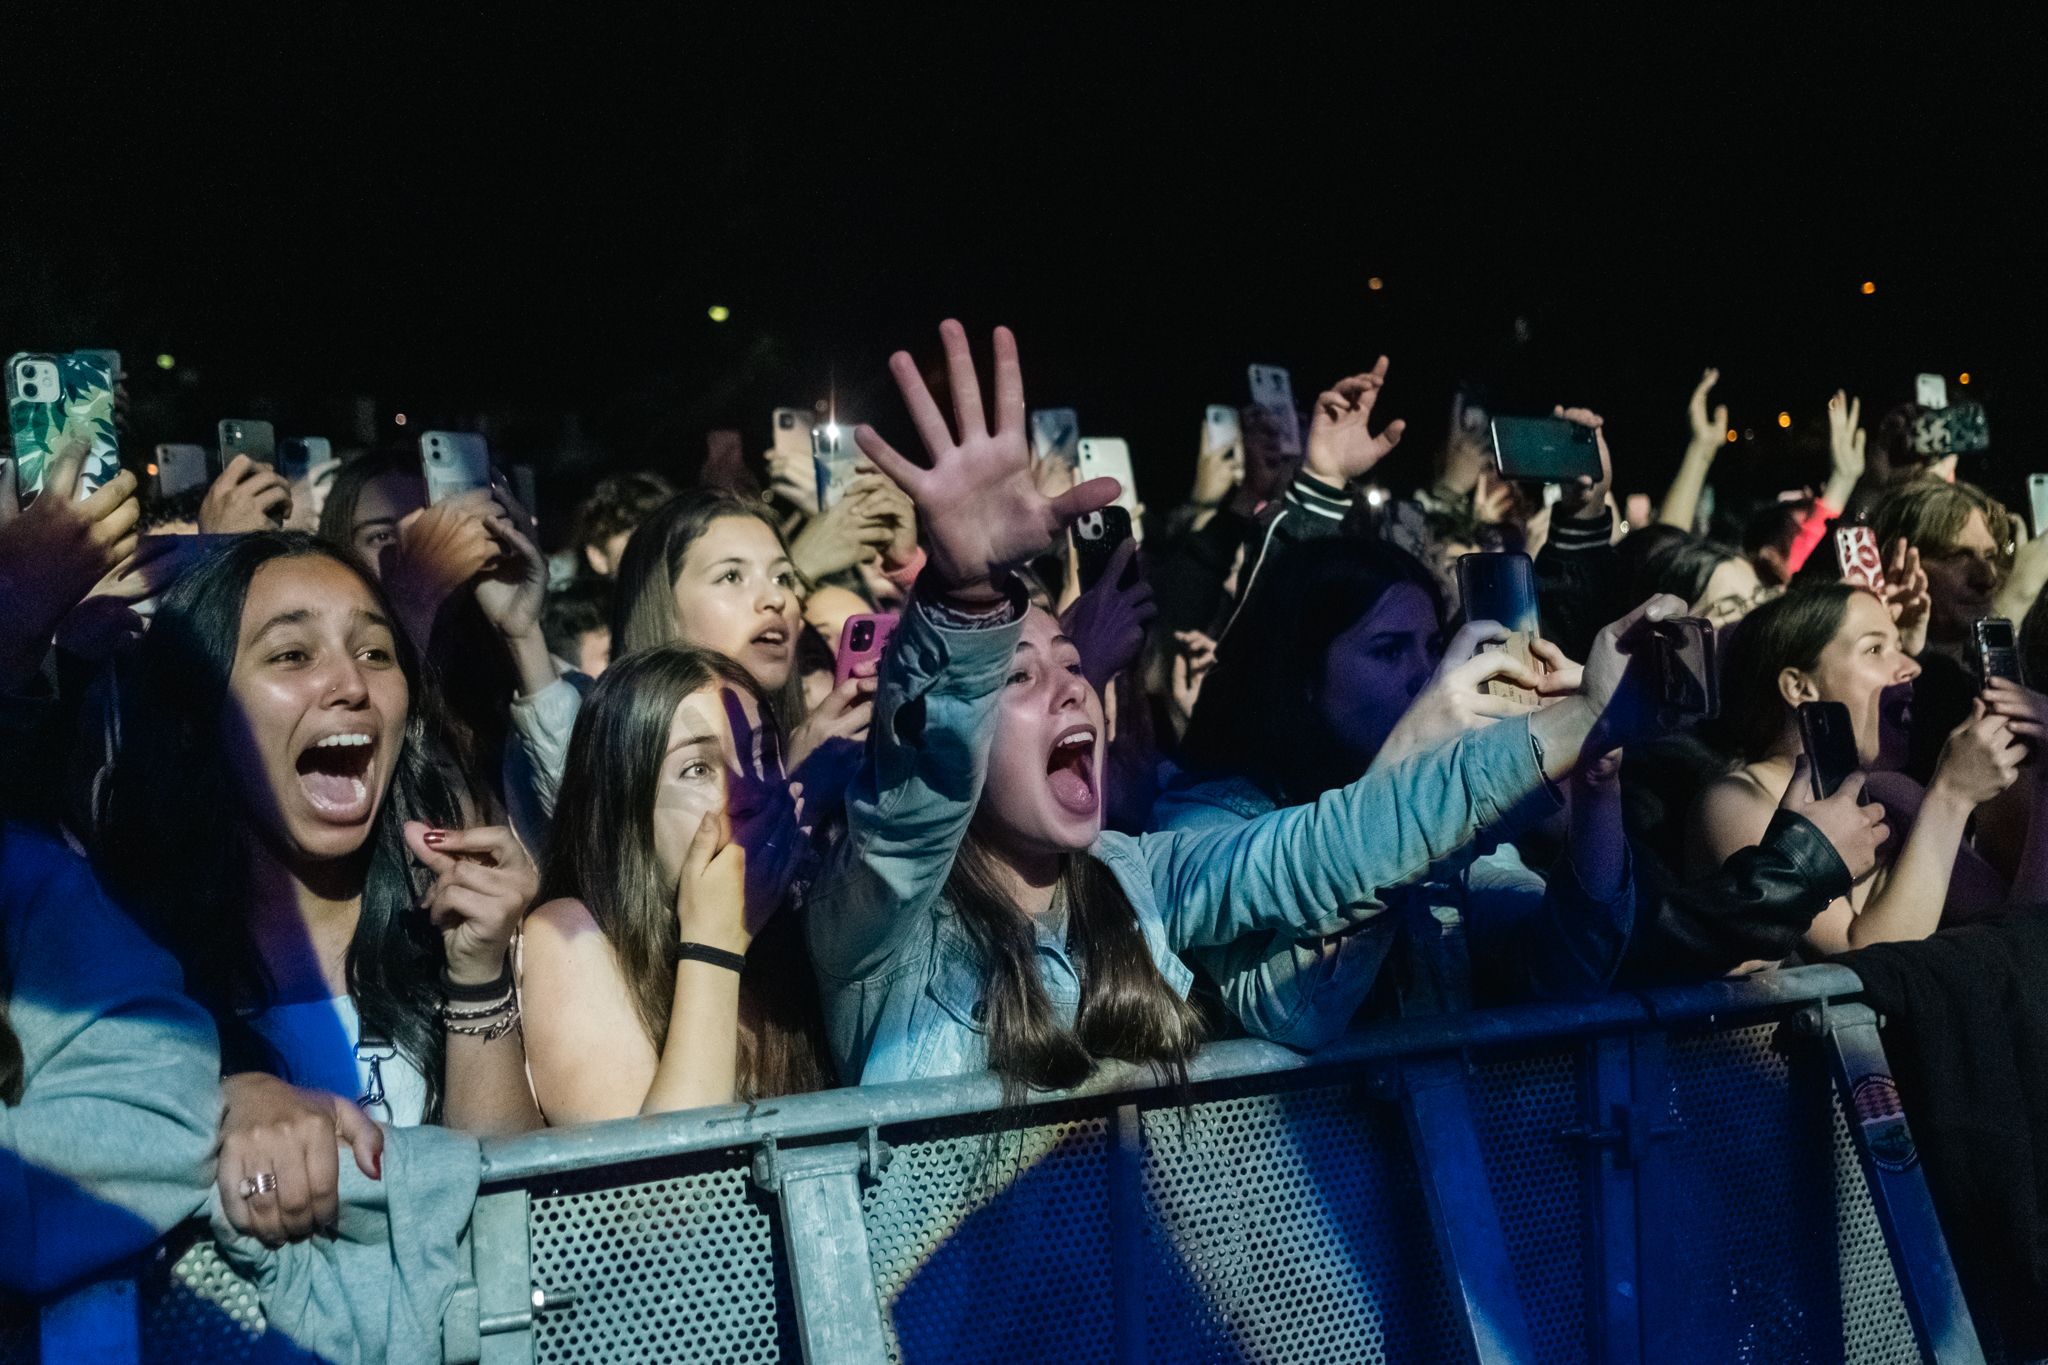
(263, 1182)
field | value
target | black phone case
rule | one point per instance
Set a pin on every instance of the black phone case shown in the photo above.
(1544, 450)
(1498, 587)
(1096, 538)
(1995, 660)
(1829, 738)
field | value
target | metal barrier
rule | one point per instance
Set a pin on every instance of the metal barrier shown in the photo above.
(1665, 1177)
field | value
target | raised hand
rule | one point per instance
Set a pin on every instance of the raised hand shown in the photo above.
(1340, 445)
(1906, 595)
(247, 496)
(438, 550)
(1845, 448)
(762, 817)
(1980, 759)
(280, 1169)
(1194, 654)
(982, 512)
(839, 538)
(1856, 830)
(52, 553)
(1455, 700)
(1586, 496)
(1708, 431)
(1108, 622)
(483, 884)
(1218, 469)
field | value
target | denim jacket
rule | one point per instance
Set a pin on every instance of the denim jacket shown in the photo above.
(1526, 937)
(901, 981)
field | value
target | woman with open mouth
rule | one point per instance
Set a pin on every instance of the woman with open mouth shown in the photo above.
(275, 789)
(978, 915)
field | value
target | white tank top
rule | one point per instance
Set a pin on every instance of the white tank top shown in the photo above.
(322, 1047)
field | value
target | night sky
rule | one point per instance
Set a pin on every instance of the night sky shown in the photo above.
(517, 221)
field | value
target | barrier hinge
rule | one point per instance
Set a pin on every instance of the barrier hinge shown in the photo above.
(1630, 1129)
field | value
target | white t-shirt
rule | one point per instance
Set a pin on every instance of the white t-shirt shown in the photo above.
(321, 1045)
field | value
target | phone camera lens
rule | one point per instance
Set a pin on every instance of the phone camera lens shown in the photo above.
(29, 390)
(863, 634)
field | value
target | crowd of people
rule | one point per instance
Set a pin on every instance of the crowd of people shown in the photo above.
(335, 811)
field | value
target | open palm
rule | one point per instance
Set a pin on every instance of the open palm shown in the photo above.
(982, 513)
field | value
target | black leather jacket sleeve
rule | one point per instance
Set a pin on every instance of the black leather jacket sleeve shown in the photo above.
(1757, 906)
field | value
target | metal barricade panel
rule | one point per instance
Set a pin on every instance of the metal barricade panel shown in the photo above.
(1289, 1228)
(1523, 1106)
(197, 1308)
(995, 1247)
(685, 1268)
(1875, 1328)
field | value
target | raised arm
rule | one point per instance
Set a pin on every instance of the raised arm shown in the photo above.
(982, 515)
(1682, 499)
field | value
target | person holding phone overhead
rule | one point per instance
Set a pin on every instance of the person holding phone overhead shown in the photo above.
(977, 914)
(1836, 643)
(280, 816)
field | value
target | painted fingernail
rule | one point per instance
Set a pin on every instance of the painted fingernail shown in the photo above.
(377, 1165)
(436, 836)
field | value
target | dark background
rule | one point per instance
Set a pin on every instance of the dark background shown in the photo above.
(521, 222)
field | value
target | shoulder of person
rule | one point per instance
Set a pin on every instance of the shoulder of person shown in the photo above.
(560, 922)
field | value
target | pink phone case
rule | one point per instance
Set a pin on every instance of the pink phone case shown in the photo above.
(1856, 550)
(862, 638)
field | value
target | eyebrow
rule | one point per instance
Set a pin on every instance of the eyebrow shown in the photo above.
(1056, 640)
(298, 616)
(691, 741)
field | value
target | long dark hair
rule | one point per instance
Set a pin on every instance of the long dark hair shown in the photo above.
(644, 608)
(1127, 1009)
(1787, 632)
(174, 839)
(338, 512)
(601, 852)
(1258, 717)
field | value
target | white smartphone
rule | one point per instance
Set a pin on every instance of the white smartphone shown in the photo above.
(455, 462)
(1273, 393)
(1108, 457)
(1220, 430)
(180, 468)
(1930, 390)
(833, 457)
(1056, 435)
(2037, 494)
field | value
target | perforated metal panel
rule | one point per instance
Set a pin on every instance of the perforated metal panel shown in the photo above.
(1749, 1204)
(196, 1308)
(1290, 1228)
(680, 1269)
(1875, 1328)
(1539, 1186)
(995, 1249)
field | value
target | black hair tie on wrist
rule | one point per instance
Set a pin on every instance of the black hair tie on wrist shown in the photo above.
(457, 993)
(717, 957)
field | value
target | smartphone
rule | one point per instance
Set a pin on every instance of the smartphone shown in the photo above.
(180, 469)
(1108, 457)
(1930, 390)
(1959, 429)
(1097, 535)
(1056, 435)
(861, 639)
(1997, 650)
(1688, 684)
(1829, 737)
(454, 462)
(245, 436)
(833, 456)
(1220, 428)
(296, 455)
(52, 400)
(1273, 393)
(1861, 561)
(526, 490)
(790, 433)
(1496, 586)
(1545, 450)
(2037, 494)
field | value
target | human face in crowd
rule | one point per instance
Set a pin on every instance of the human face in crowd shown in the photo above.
(1377, 667)
(828, 608)
(1044, 788)
(1267, 469)
(384, 502)
(1862, 660)
(700, 754)
(737, 594)
(1961, 580)
(1732, 589)
(316, 708)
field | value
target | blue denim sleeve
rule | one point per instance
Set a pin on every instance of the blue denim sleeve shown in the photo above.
(909, 806)
(1317, 868)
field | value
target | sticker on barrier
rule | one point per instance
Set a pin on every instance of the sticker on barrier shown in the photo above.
(1883, 1120)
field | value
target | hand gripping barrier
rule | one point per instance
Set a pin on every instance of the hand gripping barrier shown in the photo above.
(1665, 1177)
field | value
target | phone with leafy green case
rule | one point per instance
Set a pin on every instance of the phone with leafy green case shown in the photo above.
(55, 398)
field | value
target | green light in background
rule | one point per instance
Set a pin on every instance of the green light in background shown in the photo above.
(718, 312)
(166, 361)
